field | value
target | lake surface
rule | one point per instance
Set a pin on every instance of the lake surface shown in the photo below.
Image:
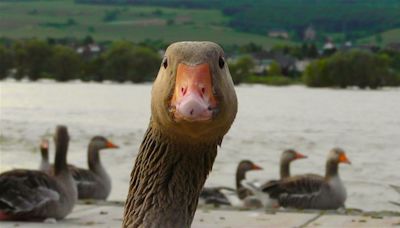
(270, 119)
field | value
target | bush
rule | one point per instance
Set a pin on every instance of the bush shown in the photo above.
(354, 68)
(269, 80)
(241, 69)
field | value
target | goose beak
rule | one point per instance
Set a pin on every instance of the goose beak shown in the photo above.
(44, 144)
(300, 156)
(193, 99)
(343, 159)
(256, 167)
(111, 145)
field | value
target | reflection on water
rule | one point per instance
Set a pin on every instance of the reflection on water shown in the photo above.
(270, 119)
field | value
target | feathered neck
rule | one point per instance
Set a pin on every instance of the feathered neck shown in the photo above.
(332, 167)
(166, 181)
(284, 168)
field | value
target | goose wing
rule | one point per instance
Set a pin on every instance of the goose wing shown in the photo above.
(26, 191)
(298, 191)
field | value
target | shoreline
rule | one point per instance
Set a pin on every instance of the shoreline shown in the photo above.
(110, 213)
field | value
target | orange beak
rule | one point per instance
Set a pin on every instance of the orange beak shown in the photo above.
(300, 156)
(193, 99)
(344, 159)
(256, 167)
(111, 145)
(44, 144)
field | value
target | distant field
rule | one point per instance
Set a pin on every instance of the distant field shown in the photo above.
(61, 18)
(389, 36)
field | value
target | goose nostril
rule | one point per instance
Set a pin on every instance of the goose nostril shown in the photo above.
(183, 91)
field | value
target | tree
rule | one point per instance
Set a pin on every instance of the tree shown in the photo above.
(6, 61)
(354, 68)
(124, 61)
(274, 69)
(65, 64)
(32, 58)
(241, 69)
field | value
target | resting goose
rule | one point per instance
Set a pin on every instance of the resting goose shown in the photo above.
(215, 195)
(92, 183)
(259, 198)
(287, 157)
(312, 191)
(35, 195)
(193, 105)
(243, 167)
(44, 151)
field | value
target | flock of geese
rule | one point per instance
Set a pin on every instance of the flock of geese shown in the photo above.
(52, 191)
(307, 191)
(193, 105)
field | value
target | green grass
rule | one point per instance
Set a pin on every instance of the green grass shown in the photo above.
(389, 36)
(27, 19)
(270, 80)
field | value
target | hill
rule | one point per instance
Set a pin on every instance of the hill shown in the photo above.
(66, 18)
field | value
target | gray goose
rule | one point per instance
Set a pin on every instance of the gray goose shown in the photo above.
(92, 183)
(243, 167)
(215, 195)
(287, 157)
(312, 191)
(260, 199)
(193, 105)
(35, 195)
(44, 152)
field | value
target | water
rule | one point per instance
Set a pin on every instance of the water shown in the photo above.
(270, 119)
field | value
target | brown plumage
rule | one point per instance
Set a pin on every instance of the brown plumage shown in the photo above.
(312, 191)
(92, 183)
(193, 106)
(34, 195)
(243, 167)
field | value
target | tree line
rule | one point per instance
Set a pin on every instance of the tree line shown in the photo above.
(121, 61)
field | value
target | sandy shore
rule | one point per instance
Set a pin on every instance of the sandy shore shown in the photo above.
(270, 119)
(109, 215)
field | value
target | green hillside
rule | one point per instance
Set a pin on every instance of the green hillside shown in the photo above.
(65, 18)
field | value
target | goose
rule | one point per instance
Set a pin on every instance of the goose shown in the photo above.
(92, 183)
(243, 167)
(44, 152)
(260, 199)
(193, 105)
(311, 191)
(287, 157)
(216, 195)
(35, 195)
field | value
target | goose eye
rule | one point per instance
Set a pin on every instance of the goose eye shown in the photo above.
(221, 62)
(165, 63)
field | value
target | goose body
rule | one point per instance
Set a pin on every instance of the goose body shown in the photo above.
(193, 106)
(312, 191)
(221, 195)
(92, 183)
(35, 195)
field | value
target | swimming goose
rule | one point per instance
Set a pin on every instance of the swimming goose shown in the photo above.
(35, 195)
(312, 191)
(92, 183)
(193, 105)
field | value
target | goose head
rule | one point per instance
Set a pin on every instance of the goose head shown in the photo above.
(193, 96)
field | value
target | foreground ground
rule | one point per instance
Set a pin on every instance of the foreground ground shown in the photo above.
(110, 215)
